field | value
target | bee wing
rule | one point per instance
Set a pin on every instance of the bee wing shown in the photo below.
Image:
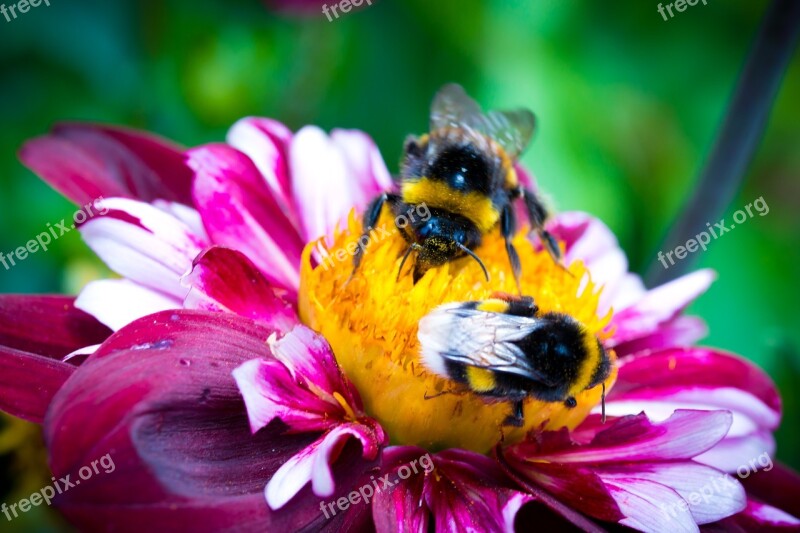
(479, 338)
(453, 108)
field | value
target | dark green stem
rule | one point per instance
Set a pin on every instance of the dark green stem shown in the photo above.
(740, 134)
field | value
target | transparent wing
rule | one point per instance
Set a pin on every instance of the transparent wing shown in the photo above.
(486, 340)
(453, 108)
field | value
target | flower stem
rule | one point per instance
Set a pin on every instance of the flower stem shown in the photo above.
(741, 132)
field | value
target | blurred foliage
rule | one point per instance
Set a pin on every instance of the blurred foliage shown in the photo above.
(628, 106)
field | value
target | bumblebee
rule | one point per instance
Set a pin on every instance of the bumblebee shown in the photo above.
(463, 171)
(505, 349)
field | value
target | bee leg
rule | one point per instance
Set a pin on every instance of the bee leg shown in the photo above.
(517, 418)
(371, 216)
(508, 226)
(538, 214)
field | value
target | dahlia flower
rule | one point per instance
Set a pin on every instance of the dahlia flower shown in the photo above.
(241, 379)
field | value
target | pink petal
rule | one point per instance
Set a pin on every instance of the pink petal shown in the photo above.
(144, 244)
(88, 161)
(589, 240)
(226, 280)
(332, 175)
(266, 143)
(708, 495)
(313, 463)
(683, 435)
(643, 503)
(46, 325)
(365, 164)
(240, 212)
(658, 306)
(118, 302)
(400, 507)
(680, 331)
(300, 386)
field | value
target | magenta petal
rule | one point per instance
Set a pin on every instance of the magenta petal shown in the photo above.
(695, 367)
(773, 483)
(147, 397)
(658, 306)
(314, 463)
(299, 385)
(86, 161)
(226, 280)
(240, 212)
(461, 490)
(47, 325)
(266, 143)
(701, 378)
(764, 518)
(683, 435)
(470, 493)
(400, 507)
(28, 383)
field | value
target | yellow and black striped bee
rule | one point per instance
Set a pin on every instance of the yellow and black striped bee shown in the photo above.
(505, 349)
(463, 171)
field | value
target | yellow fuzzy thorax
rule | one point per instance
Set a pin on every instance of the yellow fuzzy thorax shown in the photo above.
(371, 324)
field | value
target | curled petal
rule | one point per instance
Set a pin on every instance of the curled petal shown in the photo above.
(302, 385)
(147, 397)
(87, 161)
(313, 463)
(240, 211)
(226, 280)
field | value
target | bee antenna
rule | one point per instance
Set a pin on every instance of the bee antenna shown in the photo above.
(603, 403)
(475, 257)
(403, 262)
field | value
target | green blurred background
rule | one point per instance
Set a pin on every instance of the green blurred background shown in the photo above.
(628, 107)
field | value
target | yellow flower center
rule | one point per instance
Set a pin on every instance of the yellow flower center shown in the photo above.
(371, 323)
